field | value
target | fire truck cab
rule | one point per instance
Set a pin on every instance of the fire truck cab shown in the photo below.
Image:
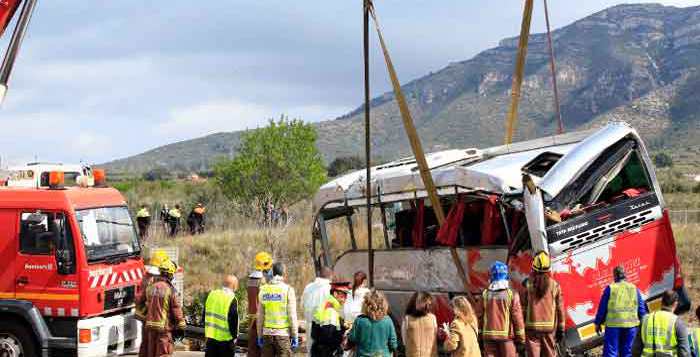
(590, 199)
(70, 267)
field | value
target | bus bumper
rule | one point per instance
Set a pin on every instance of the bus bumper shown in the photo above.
(114, 335)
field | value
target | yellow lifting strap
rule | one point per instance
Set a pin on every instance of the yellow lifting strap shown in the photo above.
(416, 145)
(512, 118)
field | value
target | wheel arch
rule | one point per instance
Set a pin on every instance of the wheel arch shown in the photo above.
(27, 314)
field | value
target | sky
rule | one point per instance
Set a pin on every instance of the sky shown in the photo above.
(101, 80)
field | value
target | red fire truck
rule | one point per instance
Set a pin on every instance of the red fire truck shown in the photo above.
(70, 267)
(590, 199)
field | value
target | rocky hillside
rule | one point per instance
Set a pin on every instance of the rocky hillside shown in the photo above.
(637, 63)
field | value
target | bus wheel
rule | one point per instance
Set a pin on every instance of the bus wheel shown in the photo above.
(16, 341)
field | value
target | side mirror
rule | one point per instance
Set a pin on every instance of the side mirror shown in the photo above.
(62, 252)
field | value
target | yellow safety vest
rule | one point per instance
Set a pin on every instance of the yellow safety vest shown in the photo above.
(216, 317)
(659, 334)
(328, 313)
(273, 298)
(694, 341)
(623, 306)
(175, 213)
(143, 213)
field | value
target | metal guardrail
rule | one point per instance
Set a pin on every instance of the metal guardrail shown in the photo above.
(684, 216)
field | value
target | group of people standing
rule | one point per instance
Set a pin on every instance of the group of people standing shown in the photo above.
(346, 318)
(172, 220)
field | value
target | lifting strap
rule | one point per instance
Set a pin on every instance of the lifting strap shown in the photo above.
(416, 146)
(553, 69)
(512, 118)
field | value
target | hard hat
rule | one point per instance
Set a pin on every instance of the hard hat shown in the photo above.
(541, 262)
(498, 271)
(158, 256)
(168, 267)
(263, 261)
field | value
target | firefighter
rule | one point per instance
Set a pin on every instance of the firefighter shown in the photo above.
(502, 318)
(199, 218)
(143, 221)
(221, 319)
(694, 337)
(662, 332)
(151, 270)
(163, 318)
(621, 309)
(328, 329)
(544, 310)
(257, 278)
(174, 216)
(277, 316)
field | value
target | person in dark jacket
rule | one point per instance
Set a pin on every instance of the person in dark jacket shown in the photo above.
(221, 319)
(328, 330)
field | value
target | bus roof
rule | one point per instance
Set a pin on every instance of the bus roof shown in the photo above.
(496, 170)
(59, 199)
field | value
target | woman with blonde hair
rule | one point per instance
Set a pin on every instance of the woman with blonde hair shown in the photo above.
(462, 333)
(373, 332)
(419, 328)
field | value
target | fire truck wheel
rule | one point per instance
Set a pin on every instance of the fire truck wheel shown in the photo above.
(16, 341)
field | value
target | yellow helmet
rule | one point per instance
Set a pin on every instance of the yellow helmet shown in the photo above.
(263, 261)
(541, 262)
(168, 267)
(158, 256)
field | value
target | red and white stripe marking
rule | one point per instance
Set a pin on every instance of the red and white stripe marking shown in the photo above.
(115, 278)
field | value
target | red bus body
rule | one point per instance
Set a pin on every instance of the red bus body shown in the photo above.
(608, 211)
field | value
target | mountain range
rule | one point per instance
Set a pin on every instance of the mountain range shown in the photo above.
(636, 63)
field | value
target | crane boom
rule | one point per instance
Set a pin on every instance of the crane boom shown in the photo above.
(8, 8)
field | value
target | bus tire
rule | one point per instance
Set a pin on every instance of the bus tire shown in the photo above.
(16, 340)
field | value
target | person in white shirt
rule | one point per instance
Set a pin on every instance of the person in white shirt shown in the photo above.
(353, 304)
(314, 295)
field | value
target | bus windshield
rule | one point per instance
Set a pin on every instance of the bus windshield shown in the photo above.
(107, 232)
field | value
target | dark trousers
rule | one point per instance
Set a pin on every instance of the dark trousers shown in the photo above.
(219, 348)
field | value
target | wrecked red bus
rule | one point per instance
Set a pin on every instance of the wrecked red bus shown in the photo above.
(591, 199)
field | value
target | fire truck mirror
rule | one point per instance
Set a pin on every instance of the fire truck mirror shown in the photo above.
(62, 243)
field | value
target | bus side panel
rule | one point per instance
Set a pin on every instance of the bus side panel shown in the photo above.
(647, 254)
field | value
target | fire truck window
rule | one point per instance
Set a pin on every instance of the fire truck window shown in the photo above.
(36, 235)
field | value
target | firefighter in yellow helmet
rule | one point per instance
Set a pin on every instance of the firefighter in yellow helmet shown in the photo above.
(262, 267)
(152, 269)
(544, 310)
(164, 318)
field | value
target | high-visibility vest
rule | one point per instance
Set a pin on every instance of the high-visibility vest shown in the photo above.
(273, 298)
(328, 313)
(175, 213)
(623, 306)
(143, 213)
(694, 342)
(216, 317)
(659, 334)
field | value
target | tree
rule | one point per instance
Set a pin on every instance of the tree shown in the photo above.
(344, 164)
(156, 174)
(279, 164)
(663, 159)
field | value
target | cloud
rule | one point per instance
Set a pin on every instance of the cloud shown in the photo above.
(232, 115)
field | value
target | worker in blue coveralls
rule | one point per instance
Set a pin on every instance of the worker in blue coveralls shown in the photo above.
(621, 309)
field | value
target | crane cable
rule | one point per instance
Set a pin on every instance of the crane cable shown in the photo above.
(553, 68)
(415, 142)
(512, 118)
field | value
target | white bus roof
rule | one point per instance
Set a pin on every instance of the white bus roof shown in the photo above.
(497, 170)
